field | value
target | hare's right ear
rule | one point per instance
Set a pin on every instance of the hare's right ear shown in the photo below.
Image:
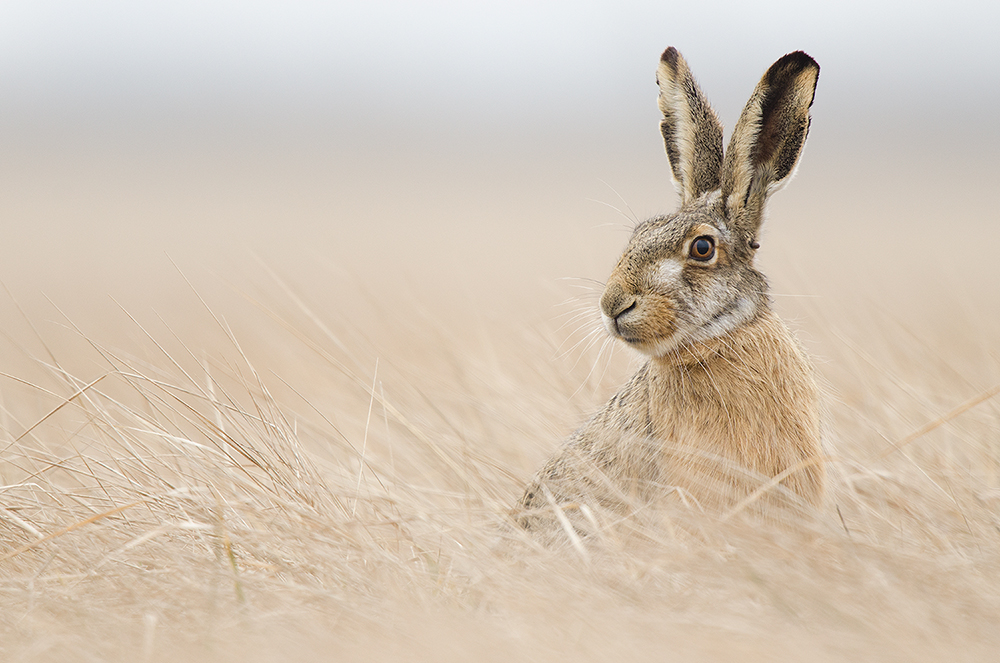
(692, 133)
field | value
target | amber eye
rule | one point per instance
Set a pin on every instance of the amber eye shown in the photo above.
(703, 248)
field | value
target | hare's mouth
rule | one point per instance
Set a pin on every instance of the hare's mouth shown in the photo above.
(642, 333)
(634, 337)
(652, 345)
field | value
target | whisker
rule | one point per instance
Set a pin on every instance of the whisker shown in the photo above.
(634, 218)
(632, 221)
(593, 367)
(590, 335)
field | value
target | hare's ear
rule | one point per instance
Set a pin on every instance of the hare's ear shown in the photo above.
(768, 140)
(691, 131)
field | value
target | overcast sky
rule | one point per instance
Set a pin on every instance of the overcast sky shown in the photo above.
(508, 61)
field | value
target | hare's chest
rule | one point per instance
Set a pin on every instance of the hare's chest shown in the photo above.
(704, 412)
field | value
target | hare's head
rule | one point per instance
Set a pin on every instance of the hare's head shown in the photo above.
(688, 276)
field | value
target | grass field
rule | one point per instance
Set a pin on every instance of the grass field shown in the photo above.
(294, 428)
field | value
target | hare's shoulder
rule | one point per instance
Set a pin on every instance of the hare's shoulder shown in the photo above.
(627, 411)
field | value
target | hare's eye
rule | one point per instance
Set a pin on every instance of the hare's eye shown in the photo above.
(703, 248)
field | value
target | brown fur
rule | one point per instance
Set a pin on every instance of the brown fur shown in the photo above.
(727, 401)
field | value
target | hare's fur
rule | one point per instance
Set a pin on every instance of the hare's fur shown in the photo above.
(727, 402)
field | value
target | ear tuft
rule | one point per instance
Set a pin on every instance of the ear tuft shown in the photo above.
(670, 57)
(795, 61)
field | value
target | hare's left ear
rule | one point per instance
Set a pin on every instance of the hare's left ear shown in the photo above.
(692, 134)
(767, 141)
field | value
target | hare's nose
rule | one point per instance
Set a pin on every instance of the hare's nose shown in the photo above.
(615, 302)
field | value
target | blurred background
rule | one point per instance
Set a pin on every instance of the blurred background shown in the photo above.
(469, 155)
(404, 194)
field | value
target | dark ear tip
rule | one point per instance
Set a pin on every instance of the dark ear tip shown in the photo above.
(796, 61)
(670, 56)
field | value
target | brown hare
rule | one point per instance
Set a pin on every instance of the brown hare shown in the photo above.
(726, 403)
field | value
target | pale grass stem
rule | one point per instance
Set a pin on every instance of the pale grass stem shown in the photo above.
(364, 442)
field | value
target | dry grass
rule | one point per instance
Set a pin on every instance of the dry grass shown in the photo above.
(278, 478)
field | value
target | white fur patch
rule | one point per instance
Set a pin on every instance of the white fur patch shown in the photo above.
(720, 324)
(669, 272)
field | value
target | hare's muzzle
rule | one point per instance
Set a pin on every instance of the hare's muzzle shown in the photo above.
(616, 303)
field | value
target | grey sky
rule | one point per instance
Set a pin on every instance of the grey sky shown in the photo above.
(502, 62)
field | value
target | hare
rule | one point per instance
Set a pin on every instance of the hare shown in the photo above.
(726, 403)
